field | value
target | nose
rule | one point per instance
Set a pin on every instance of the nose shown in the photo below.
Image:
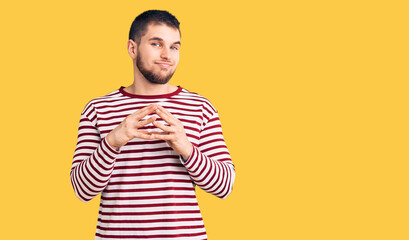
(165, 53)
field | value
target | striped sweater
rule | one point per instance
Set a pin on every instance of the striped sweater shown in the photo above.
(147, 190)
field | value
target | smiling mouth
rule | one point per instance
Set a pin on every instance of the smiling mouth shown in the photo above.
(164, 65)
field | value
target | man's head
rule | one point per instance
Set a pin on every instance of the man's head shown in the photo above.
(154, 43)
(156, 17)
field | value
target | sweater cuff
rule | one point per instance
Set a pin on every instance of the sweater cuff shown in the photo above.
(109, 151)
(112, 150)
(191, 161)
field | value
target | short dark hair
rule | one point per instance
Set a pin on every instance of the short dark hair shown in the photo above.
(141, 22)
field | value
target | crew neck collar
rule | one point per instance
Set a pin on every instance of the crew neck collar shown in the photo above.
(121, 90)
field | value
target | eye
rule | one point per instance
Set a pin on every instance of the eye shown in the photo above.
(174, 48)
(155, 44)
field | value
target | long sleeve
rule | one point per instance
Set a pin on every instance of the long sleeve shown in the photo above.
(210, 165)
(93, 161)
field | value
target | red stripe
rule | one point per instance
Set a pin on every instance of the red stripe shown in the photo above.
(213, 127)
(192, 136)
(149, 189)
(88, 134)
(147, 150)
(143, 142)
(151, 220)
(146, 205)
(211, 134)
(131, 109)
(217, 154)
(150, 228)
(196, 109)
(148, 213)
(177, 165)
(184, 103)
(205, 150)
(147, 197)
(90, 141)
(112, 104)
(152, 236)
(83, 155)
(84, 127)
(146, 158)
(150, 181)
(213, 141)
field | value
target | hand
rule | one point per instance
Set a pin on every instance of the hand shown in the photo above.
(174, 134)
(128, 128)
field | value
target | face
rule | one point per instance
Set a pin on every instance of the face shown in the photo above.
(158, 53)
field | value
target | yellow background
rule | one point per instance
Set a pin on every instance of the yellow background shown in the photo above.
(312, 95)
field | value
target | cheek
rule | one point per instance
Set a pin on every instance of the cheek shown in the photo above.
(176, 58)
(147, 54)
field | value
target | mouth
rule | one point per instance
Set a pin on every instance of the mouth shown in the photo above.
(163, 64)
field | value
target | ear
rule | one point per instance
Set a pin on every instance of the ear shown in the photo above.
(132, 48)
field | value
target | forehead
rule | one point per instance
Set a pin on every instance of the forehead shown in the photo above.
(168, 34)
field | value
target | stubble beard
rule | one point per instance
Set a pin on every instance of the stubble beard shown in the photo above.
(150, 75)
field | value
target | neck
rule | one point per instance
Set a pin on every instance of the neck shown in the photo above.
(141, 86)
(138, 88)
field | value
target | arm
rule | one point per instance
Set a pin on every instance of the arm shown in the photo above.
(93, 162)
(209, 164)
(94, 158)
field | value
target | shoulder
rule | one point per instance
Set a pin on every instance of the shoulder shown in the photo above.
(198, 99)
(107, 99)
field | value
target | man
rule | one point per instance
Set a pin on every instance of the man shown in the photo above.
(145, 147)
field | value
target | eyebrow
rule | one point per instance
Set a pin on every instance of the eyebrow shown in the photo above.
(160, 39)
